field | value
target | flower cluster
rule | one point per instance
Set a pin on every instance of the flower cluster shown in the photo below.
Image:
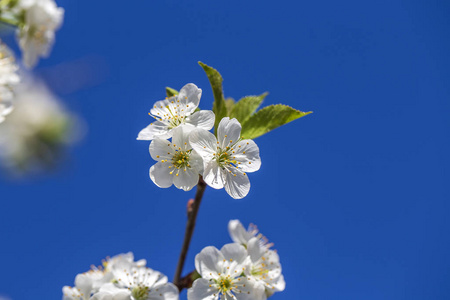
(36, 22)
(244, 270)
(223, 161)
(121, 278)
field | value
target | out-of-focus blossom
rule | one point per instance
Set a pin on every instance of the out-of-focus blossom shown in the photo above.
(38, 23)
(8, 78)
(35, 133)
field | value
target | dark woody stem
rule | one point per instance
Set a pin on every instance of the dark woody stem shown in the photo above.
(190, 226)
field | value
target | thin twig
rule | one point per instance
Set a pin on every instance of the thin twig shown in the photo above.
(190, 226)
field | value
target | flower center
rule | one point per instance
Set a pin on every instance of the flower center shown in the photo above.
(225, 284)
(260, 271)
(175, 120)
(224, 158)
(140, 292)
(181, 159)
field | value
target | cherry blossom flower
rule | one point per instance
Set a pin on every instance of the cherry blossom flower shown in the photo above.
(242, 236)
(265, 267)
(144, 283)
(86, 284)
(175, 111)
(36, 34)
(110, 292)
(227, 158)
(222, 275)
(177, 163)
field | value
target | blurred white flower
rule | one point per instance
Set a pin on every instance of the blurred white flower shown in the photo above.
(177, 163)
(8, 78)
(222, 275)
(175, 111)
(265, 267)
(227, 158)
(242, 236)
(36, 32)
(34, 134)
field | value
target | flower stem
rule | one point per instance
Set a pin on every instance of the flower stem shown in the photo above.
(190, 226)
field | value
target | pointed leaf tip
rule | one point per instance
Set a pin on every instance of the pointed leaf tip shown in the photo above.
(269, 118)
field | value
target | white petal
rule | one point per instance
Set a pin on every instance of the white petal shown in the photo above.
(249, 290)
(160, 175)
(247, 153)
(161, 149)
(190, 96)
(234, 251)
(203, 119)
(166, 291)
(207, 262)
(213, 175)
(181, 137)
(236, 184)
(201, 290)
(196, 162)
(160, 109)
(70, 293)
(228, 132)
(84, 283)
(238, 233)
(204, 143)
(186, 179)
(279, 285)
(156, 129)
(254, 249)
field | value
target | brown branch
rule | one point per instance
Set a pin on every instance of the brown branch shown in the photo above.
(190, 226)
(187, 281)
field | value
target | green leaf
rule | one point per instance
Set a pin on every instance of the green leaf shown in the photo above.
(171, 92)
(245, 107)
(229, 103)
(215, 79)
(269, 118)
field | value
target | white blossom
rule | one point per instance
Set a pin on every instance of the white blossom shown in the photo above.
(177, 163)
(128, 258)
(41, 18)
(144, 283)
(227, 158)
(8, 78)
(110, 292)
(242, 236)
(86, 284)
(223, 275)
(175, 111)
(122, 278)
(265, 267)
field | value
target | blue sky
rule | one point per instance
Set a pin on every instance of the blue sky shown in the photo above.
(354, 196)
